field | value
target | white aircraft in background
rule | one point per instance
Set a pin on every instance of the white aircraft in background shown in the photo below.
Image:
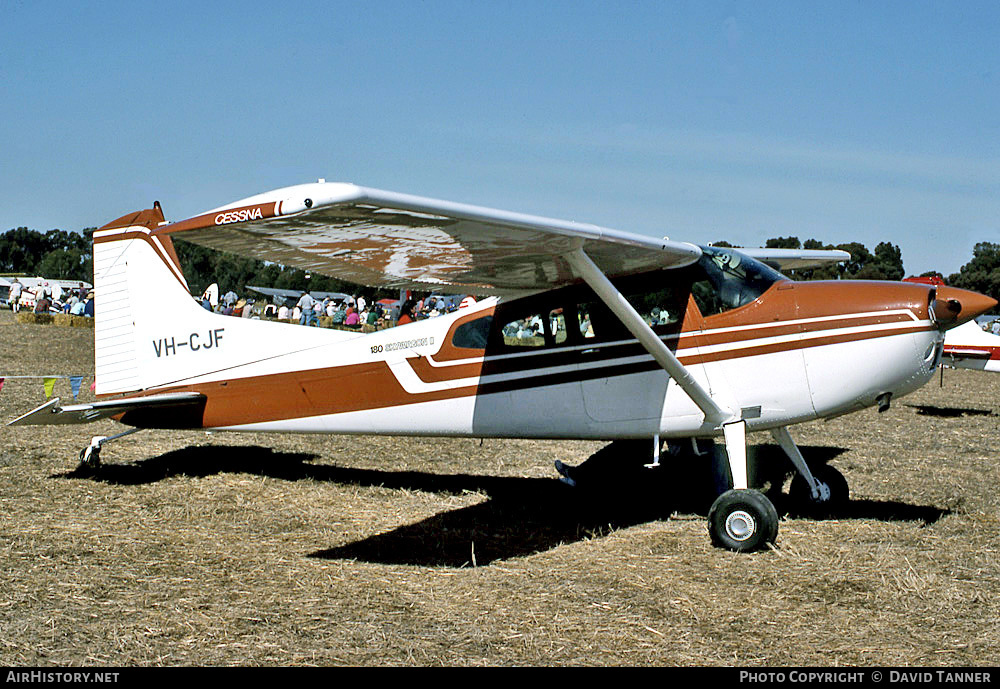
(969, 346)
(32, 288)
(589, 333)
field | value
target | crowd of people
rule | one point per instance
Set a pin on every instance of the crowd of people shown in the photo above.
(51, 298)
(349, 312)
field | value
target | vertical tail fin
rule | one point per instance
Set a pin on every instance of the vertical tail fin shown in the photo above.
(151, 333)
(135, 274)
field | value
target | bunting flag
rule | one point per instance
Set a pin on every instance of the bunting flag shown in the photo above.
(49, 382)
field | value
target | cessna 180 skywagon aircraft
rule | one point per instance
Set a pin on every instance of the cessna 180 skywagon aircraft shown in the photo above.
(588, 333)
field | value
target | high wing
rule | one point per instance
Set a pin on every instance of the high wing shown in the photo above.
(380, 238)
(797, 259)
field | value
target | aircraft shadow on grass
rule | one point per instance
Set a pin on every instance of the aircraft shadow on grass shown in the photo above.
(948, 412)
(521, 516)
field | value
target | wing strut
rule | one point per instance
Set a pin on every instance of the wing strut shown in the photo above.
(733, 426)
(631, 319)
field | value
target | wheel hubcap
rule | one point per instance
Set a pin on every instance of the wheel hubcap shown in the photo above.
(740, 525)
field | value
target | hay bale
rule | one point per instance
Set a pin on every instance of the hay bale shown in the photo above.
(347, 328)
(34, 318)
(81, 322)
(61, 319)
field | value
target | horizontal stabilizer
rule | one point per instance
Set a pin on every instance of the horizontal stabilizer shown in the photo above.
(966, 353)
(155, 411)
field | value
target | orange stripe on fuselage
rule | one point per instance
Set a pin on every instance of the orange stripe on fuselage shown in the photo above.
(360, 387)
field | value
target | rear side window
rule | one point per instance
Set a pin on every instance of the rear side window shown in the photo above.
(525, 332)
(557, 326)
(472, 335)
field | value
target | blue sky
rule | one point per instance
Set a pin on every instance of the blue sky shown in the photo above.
(842, 121)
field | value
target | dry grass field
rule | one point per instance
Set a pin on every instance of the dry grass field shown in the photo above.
(196, 549)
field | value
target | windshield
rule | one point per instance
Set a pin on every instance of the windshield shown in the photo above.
(736, 278)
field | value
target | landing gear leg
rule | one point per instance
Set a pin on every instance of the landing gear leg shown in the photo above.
(90, 456)
(655, 464)
(741, 519)
(565, 473)
(758, 527)
(814, 492)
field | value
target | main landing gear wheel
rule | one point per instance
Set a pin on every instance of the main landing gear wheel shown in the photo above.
(742, 520)
(833, 489)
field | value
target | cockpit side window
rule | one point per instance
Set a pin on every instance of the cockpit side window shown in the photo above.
(707, 298)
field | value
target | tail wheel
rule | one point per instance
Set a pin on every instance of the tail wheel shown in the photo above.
(743, 520)
(834, 492)
(90, 457)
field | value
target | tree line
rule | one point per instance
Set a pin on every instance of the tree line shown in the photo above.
(202, 266)
(981, 274)
(885, 263)
(69, 255)
(58, 254)
(54, 254)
